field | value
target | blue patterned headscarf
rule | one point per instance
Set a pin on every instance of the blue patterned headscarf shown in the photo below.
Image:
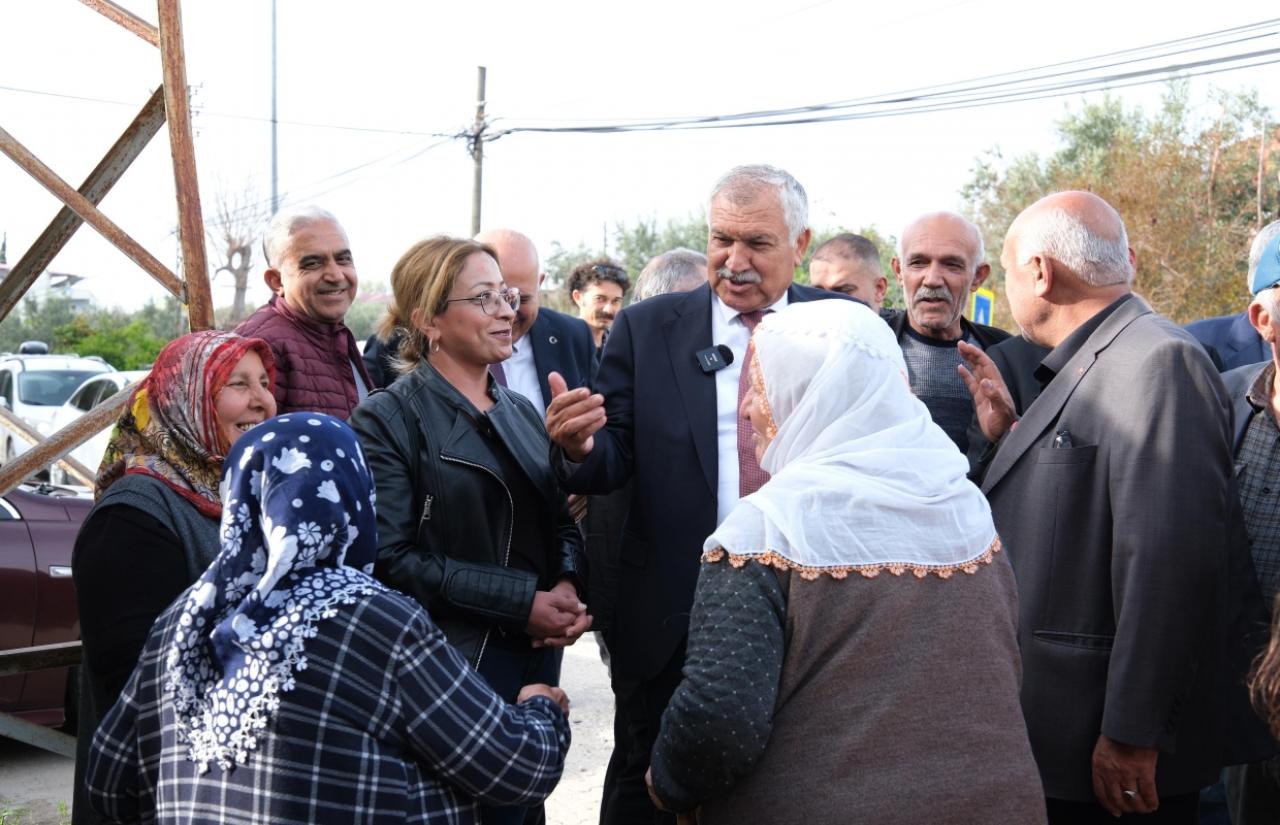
(299, 540)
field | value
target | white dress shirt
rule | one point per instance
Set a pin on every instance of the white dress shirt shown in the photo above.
(522, 373)
(728, 329)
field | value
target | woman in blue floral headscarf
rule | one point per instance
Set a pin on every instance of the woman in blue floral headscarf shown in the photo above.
(287, 685)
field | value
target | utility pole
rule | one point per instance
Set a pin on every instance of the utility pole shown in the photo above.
(275, 169)
(477, 152)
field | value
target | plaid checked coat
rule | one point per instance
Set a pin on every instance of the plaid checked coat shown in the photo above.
(387, 723)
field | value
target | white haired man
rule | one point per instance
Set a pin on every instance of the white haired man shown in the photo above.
(940, 261)
(312, 276)
(666, 416)
(1115, 500)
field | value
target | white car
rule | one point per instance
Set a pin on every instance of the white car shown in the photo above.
(88, 395)
(34, 387)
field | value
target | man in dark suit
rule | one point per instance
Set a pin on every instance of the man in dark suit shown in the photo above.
(545, 341)
(1233, 337)
(1114, 499)
(666, 417)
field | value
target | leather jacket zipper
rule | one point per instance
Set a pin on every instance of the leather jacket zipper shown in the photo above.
(511, 526)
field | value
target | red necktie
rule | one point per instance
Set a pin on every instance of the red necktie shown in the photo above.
(499, 374)
(750, 476)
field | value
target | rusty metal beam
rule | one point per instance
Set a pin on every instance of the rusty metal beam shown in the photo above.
(95, 187)
(33, 437)
(195, 268)
(125, 18)
(93, 216)
(40, 657)
(54, 448)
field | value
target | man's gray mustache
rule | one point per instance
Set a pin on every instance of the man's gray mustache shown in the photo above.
(938, 293)
(747, 276)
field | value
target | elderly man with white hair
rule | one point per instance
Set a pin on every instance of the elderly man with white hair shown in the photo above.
(666, 417)
(312, 276)
(1114, 498)
(940, 261)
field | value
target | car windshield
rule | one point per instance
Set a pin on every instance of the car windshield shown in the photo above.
(50, 388)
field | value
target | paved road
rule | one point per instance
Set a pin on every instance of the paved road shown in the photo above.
(576, 800)
(35, 786)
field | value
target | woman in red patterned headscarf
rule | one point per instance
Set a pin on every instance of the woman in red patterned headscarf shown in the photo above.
(154, 528)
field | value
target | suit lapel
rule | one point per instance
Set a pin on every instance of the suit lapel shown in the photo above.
(1044, 411)
(687, 333)
(544, 356)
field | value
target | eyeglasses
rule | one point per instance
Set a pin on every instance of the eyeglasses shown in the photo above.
(491, 300)
(607, 269)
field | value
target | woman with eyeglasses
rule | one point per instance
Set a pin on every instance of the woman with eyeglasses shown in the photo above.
(471, 521)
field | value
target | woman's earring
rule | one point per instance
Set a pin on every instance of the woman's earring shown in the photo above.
(434, 346)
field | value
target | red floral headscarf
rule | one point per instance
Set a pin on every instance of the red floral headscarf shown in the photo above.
(170, 429)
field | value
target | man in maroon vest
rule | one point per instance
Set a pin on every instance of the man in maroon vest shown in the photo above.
(313, 277)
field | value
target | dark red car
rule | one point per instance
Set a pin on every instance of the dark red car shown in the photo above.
(38, 527)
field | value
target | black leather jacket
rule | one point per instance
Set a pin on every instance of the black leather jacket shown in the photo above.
(444, 512)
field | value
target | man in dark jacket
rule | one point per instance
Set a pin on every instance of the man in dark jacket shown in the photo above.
(1253, 790)
(312, 276)
(940, 261)
(667, 419)
(1114, 497)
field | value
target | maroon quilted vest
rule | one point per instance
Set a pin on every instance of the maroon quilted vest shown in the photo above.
(313, 360)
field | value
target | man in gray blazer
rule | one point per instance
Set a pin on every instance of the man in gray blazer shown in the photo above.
(1113, 497)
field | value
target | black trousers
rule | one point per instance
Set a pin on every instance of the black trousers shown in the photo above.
(1182, 809)
(637, 715)
(1253, 792)
(507, 668)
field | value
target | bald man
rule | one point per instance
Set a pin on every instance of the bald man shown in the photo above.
(940, 261)
(1114, 498)
(544, 341)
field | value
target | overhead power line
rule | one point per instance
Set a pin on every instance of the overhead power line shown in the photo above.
(1024, 84)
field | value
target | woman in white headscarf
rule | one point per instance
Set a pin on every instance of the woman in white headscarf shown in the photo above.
(852, 653)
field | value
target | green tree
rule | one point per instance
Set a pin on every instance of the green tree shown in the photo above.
(35, 319)
(635, 245)
(1193, 190)
(131, 346)
(167, 319)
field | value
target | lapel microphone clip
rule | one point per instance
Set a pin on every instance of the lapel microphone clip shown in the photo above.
(713, 359)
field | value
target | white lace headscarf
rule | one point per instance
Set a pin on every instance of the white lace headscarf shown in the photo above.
(299, 540)
(862, 479)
